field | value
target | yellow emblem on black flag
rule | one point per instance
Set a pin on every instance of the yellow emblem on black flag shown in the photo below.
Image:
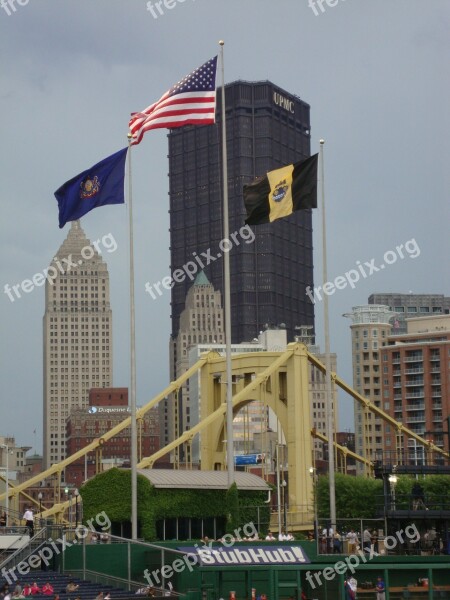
(282, 192)
(280, 197)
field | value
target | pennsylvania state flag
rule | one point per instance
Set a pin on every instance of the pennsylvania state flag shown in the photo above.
(101, 184)
(282, 192)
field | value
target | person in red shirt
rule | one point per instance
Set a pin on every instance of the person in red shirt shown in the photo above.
(26, 590)
(47, 589)
(35, 589)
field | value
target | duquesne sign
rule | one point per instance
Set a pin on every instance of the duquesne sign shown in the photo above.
(248, 555)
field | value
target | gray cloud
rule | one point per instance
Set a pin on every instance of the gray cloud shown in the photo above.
(373, 73)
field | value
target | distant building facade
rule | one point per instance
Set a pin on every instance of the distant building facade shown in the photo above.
(201, 322)
(345, 463)
(370, 328)
(107, 408)
(318, 393)
(411, 305)
(318, 401)
(416, 378)
(77, 327)
(12, 465)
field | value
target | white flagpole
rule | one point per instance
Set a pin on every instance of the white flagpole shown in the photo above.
(329, 397)
(133, 441)
(227, 295)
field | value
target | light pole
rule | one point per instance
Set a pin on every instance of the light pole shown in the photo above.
(8, 452)
(278, 488)
(40, 508)
(393, 483)
(313, 475)
(76, 493)
(283, 485)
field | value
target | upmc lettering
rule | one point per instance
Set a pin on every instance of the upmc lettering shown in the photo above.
(283, 102)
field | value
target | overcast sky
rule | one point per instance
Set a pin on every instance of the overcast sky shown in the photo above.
(376, 77)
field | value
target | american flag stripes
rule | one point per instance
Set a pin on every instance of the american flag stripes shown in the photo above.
(191, 101)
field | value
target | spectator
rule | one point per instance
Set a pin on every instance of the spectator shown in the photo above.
(270, 537)
(29, 520)
(337, 543)
(350, 586)
(26, 590)
(35, 589)
(418, 497)
(327, 536)
(3, 519)
(374, 540)
(47, 589)
(352, 537)
(99, 596)
(18, 589)
(284, 536)
(367, 540)
(71, 587)
(94, 537)
(104, 537)
(381, 589)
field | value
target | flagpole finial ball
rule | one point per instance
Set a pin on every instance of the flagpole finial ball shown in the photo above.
(129, 135)
(322, 142)
(221, 42)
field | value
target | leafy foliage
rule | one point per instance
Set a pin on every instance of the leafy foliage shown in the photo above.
(356, 497)
(232, 498)
(359, 497)
(111, 492)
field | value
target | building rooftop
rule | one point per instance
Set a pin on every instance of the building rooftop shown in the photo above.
(212, 480)
(201, 279)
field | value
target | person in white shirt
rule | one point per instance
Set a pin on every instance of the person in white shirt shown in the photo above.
(352, 537)
(285, 537)
(29, 520)
(327, 536)
(367, 540)
(270, 537)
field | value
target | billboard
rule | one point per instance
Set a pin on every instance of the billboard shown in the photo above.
(249, 459)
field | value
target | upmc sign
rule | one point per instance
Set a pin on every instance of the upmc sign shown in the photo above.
(283, 102)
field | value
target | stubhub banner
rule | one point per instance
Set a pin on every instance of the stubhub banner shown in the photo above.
(248, 555)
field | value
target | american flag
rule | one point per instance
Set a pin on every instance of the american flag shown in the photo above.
(191, 101)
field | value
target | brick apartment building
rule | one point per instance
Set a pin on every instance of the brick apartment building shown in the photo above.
(416, 383)
(107, 408)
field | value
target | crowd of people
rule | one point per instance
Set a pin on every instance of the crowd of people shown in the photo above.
(283, 536)
(33, 589)
(19, 592)
(331, 541)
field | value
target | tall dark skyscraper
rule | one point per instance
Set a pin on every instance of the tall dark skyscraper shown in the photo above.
(266, 128)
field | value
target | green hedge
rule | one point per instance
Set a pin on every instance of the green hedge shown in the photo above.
(360, 497)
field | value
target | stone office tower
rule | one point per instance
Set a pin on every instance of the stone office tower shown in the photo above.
(77, 336)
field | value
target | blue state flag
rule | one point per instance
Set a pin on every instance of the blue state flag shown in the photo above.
(100, 185)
